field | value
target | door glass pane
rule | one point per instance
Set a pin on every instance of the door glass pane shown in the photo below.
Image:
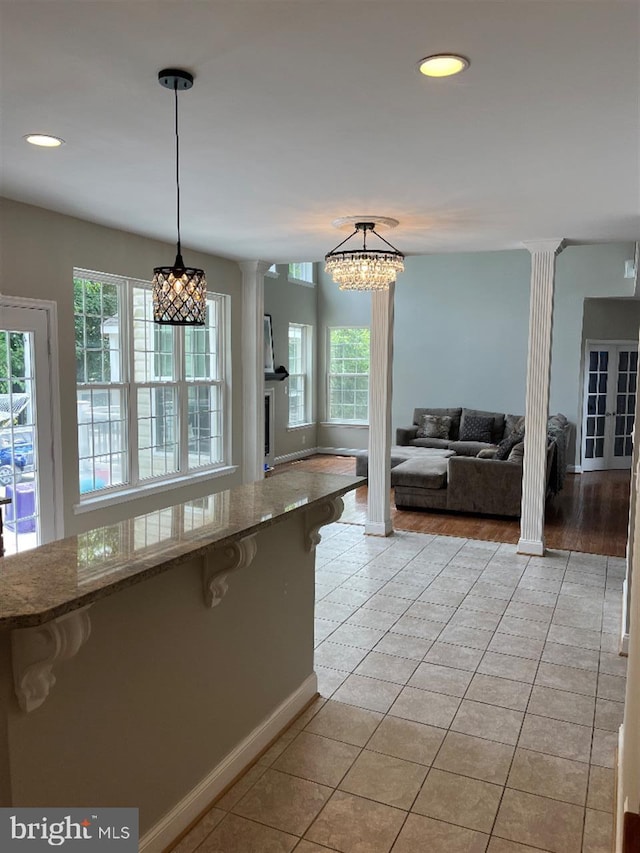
(599, 447)
(593, 361)
(18, 442)
(634, 361)
(604, 360)
(623, 360)
(589, 448)
(618, 447)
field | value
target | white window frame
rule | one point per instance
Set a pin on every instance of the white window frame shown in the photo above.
(356, 422)
(129, 388)
(306, 273)
(305, 375)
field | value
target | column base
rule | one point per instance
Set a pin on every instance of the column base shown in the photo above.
(378, 528)
(531, 547)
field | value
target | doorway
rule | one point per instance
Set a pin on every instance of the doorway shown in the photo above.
(27, 406)
(610, 373)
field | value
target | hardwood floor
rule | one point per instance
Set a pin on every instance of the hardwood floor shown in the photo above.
(590, 514)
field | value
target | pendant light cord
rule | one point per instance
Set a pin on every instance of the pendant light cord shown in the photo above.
(175, 92)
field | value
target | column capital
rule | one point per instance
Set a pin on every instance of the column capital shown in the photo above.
(553, 244)
(254, 267)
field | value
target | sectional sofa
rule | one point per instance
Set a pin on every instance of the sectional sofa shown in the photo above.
(476, 468)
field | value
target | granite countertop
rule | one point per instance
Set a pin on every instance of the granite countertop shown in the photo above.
(54, 579)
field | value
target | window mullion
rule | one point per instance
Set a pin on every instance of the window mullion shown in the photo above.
(132, 390)
(183, 399)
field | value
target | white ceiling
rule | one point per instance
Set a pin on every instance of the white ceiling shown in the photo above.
(308, 110)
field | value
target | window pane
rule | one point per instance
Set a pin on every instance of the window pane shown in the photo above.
(206, 445)
(97, 331)
(101, 438)
(201, 346)
(153, 345)
(157, 432)
(349, 374)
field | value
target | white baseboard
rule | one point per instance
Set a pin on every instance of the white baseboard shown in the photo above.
(159, 837)
(378, 528)
(574, 469)
(339, 451)
(530, 547)
(299, 454)
(624, 637)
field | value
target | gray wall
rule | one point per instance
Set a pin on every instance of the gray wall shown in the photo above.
(39, 250)
(462, 325)
(288, 302)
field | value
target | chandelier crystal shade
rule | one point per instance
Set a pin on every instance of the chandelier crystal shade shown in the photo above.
(364, 269)
(179, 292)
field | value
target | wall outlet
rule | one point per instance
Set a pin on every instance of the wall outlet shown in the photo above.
(629, 269)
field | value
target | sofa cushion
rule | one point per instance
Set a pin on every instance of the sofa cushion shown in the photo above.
(507, 444)
(434, 426)
(517, 453)
(439, 443)
(421, 473)
(497, 432)
(476, 428)
(469, 448)
(513, 423)
(454, 414)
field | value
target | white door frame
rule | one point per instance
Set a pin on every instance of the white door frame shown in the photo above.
(50, 310)
(592, 343)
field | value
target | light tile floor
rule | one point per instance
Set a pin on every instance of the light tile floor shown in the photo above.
(470, 699)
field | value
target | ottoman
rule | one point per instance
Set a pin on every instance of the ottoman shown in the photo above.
(418, 478)
(400, 455)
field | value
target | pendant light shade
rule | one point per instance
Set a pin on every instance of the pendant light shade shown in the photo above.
(364, 269)
(179, 292)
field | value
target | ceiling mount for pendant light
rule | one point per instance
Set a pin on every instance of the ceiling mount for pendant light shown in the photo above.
(179, 292)
(365, 268)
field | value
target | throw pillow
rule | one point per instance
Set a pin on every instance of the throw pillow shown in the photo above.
(476, 428)
(487, 453)
(434, 426)
(517, 453)
(507, 444)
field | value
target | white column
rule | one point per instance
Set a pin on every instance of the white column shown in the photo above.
(534, 475)
(628, 781)
(253, 369)
(380, 389)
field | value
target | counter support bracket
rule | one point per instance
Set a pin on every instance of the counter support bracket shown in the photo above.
(219, 563)
(35, 651)
(319, 516)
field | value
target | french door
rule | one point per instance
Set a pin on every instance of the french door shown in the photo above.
(26, 428)
(611, 373)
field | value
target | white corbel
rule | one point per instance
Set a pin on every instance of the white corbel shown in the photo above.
(220, 562)
(35, 651)
(319, 516)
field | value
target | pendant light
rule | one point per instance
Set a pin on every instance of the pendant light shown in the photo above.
(179, 292)
(364, 268)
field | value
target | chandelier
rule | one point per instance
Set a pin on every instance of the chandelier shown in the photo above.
(364, 269)
(179, 292)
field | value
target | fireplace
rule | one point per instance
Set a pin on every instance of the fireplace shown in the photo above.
(269, 428)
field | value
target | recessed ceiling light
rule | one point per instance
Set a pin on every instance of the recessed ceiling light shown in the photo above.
(442, 65)
(44, 140)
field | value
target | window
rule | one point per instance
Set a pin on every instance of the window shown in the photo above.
(151, 399)
(348, 375)
(299, 374)
(301, 272)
